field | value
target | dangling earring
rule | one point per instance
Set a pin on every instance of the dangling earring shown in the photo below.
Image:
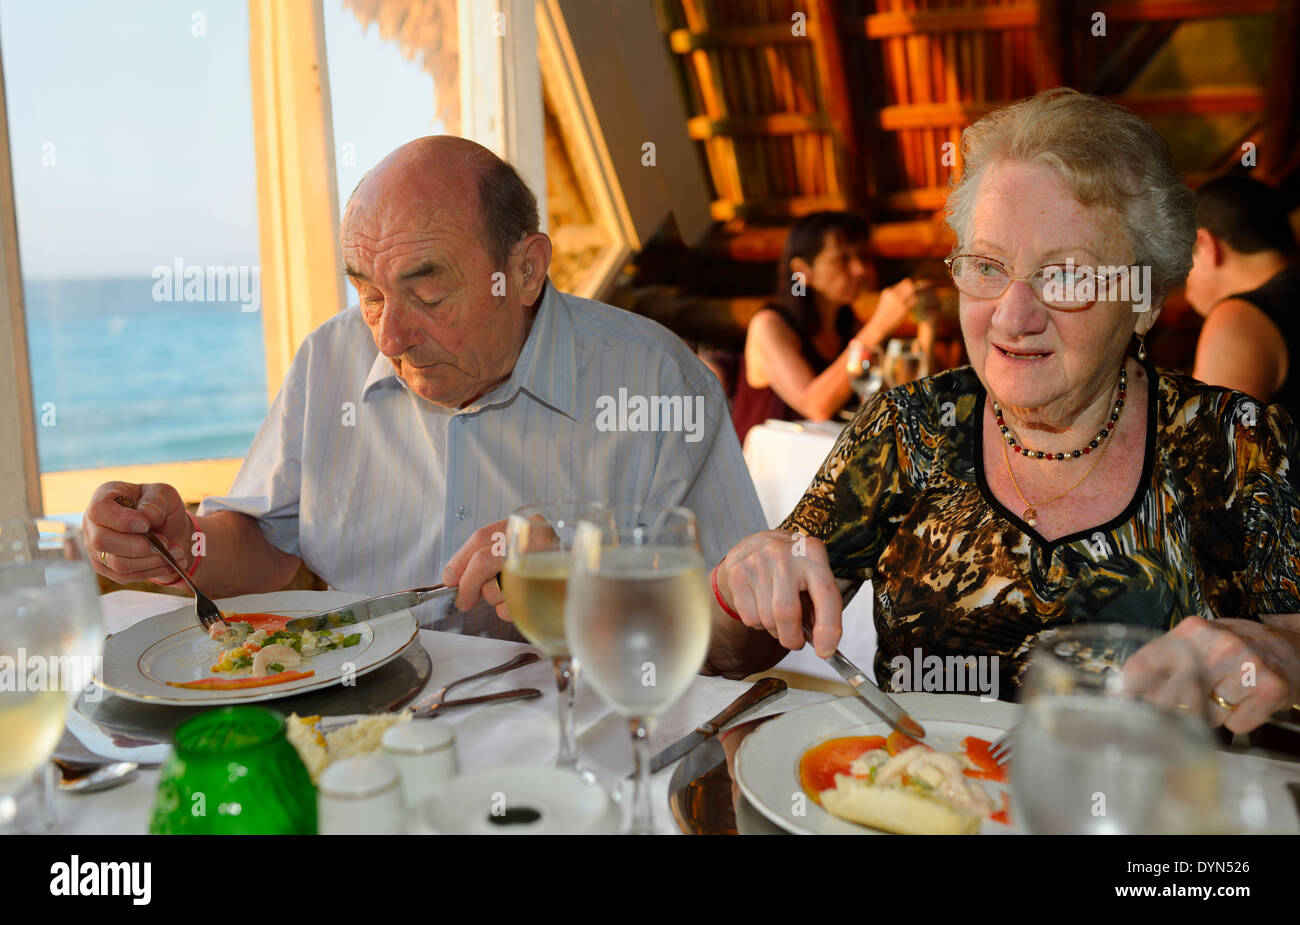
(1142, 347)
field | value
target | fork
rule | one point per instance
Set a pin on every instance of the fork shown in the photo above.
(434, 700)
(209, 614)
(526, 693)
(1001, 750)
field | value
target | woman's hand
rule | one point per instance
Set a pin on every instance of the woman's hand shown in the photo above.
(1253, 667)
(762, 579)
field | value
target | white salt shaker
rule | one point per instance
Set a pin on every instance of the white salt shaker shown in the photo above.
(360, 796)
(425, 756)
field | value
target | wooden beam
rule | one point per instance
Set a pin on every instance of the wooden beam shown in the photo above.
(20, 486)
(724, 210)
(1203, 101)
(1117, 72)
(934, 115)
(838, 96)
(927, 199)
(1161, 10)
(684, 41)
(1053, 66)
(893, 240)
(1280, 150)
(1022, 15)
(780, 123)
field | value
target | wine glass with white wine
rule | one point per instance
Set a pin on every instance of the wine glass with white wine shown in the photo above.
(51, 633)
(539, 545)
(637, 618)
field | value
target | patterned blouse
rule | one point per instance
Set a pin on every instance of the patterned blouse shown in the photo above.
(1214, 528)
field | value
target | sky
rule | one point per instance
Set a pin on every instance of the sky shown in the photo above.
(130, 128)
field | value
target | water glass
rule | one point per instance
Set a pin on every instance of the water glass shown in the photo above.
(637, 618)
(1094, 756)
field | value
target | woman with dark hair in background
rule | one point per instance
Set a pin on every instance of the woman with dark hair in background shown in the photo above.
(796, 356)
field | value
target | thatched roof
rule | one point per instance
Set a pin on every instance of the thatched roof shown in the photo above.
(427, 31)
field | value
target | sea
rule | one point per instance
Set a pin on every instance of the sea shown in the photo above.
(120, 378)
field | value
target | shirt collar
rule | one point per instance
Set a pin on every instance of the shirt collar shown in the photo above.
(382, 373)
(546, 367)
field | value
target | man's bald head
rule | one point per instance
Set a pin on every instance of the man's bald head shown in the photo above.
(441, 242)
(437, 166)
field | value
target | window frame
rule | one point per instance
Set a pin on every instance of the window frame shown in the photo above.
(301, 268)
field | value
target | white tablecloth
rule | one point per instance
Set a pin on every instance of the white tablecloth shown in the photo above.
(782, 460)
(524, 733)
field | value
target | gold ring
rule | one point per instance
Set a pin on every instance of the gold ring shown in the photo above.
(1221, 702)
(103, 557)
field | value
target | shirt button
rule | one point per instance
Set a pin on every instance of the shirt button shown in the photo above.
(461, 512)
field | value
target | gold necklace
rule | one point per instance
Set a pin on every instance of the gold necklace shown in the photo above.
(1031, 512)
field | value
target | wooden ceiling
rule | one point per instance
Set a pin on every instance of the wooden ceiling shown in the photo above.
(799, 106)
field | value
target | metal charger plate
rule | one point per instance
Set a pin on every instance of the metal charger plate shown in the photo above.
(390, 687)
(703, 798)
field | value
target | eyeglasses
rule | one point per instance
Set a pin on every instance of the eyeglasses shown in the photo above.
(1057, 285)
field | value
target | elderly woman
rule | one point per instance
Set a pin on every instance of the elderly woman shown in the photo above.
(1056, 479)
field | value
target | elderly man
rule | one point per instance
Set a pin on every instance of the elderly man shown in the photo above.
(463, 386)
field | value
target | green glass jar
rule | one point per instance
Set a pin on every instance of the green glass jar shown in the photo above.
(232, 771)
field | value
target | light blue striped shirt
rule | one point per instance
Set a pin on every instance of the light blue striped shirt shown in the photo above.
(375, 488)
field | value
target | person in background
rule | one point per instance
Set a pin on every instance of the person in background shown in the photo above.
(796, 356)
(1245, 281)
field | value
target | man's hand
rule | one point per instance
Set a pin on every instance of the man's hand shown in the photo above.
(474, 567)
(115, 533)
(1252, 667)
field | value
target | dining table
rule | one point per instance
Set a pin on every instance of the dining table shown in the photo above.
(525, 733)
(486, 736)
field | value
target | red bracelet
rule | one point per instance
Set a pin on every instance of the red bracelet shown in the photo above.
(713, 578)
(193, 530)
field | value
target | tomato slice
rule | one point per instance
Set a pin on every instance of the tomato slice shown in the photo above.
(1004, 814)
(820, 764)
(977, 750)
(897, 742)
(230, 684)
(260, 621)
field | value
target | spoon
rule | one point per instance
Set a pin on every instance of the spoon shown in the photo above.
(90, 778)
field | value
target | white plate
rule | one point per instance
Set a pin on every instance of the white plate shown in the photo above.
(140, 660)
(767, 765)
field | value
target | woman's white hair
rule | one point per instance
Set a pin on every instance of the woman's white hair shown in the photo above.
(1105, 155)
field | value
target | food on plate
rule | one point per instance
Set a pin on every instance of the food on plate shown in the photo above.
(899, 785)
(258, 643)
(233, 684)
(319, 750)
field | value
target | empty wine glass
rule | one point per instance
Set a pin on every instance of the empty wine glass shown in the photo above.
(51, 637)
(904, 361)
(637, 618)
(1094, 756)
(864, 368)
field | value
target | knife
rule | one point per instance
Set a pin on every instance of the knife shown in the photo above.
(762, 691)
(880, 703)
(369, 609)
